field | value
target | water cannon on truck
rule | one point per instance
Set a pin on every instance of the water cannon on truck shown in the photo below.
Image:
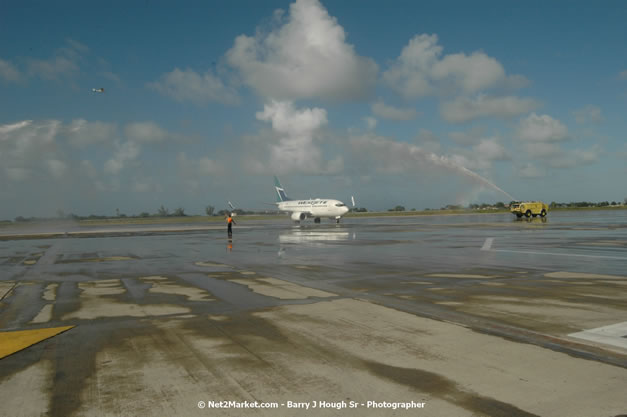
(529, 208)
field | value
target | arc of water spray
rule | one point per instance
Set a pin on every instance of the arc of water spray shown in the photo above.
(445, 162)
(399, 153)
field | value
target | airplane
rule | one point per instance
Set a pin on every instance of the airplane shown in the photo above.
(316, 207)
(98, 90)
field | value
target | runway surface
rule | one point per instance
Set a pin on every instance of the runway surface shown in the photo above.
(433, 315)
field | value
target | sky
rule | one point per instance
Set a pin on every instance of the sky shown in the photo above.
(420, 104)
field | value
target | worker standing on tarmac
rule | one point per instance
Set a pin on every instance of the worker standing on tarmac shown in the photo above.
(230, 222)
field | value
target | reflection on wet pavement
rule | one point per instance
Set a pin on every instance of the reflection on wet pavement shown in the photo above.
(306, 312)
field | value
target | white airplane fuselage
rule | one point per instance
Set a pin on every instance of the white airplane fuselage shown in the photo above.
(312, 208)
(316, 208)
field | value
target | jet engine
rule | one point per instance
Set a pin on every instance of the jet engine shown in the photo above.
(296, 216)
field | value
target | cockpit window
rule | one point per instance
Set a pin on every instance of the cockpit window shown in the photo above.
(340, 205)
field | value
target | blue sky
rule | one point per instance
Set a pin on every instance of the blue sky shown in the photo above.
(421, 104)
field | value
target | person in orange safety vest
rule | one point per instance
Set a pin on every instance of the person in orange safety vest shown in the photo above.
(230, 222)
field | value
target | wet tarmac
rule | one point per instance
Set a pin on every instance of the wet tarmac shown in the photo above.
(467, 315)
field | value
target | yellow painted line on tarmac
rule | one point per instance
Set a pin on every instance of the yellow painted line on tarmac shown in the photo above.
(14, 341)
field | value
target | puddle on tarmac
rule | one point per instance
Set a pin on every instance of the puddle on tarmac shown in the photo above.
(163, 285)
(467, 276)
(100, 259)
(564, 274)
(217, 317)
(95, 304)
(284, 290)
(211, 264)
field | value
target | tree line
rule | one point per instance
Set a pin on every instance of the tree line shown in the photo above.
(162, 211)
(502, 205)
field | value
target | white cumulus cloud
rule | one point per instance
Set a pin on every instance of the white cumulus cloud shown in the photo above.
(421, 70)
(82, 133)
(471, 73)
(588, 114)
(542, 149)
(491, 149)
(410, 74)
(577, 158)
(30, 149)
(295, 133)
(530, 170)
(65, 63)
(428, 140)
(371, 122)
(27, 140)
(542, 128)
(53, 68)
(126, 152)
(385, 111)
(5, 130)
(57, 168)
(188, 85)
(196, 173)
(470, 137)
(145, 132)
(305, 55)
(145, 185)
(464, 109)
(201, 167)
(8, 72)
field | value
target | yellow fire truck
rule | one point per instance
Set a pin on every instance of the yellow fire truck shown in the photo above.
(529, 208)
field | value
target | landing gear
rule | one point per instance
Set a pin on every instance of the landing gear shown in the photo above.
(317, 220)
(337, 220)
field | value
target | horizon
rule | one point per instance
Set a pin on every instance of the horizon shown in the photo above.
(361, 210)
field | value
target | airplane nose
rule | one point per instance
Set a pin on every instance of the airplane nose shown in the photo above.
(345, 210)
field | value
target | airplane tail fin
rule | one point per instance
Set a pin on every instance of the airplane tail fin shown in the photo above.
(281, 196)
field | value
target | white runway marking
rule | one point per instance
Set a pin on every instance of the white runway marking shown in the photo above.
(560, 254)
(615, 335)
(487, 246)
